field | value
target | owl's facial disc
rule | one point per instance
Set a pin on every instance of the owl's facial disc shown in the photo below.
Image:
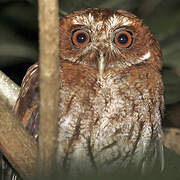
(106, 40)
(120, 39)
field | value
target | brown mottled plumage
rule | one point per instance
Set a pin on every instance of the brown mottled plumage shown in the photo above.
(111, 93)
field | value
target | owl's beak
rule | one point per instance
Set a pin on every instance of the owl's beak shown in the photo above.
(101, 65)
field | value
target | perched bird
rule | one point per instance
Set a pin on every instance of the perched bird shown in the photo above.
(110, 96)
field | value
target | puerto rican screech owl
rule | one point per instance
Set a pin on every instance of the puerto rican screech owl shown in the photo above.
(110, 97)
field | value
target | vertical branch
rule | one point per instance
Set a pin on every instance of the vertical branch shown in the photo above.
(49, 83)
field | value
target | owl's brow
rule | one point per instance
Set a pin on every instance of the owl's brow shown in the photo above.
(124, 21)
(111, 22)
(83, 19)
(115, 20)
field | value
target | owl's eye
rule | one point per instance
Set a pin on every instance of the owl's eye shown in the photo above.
(123, 39)
(80, 38)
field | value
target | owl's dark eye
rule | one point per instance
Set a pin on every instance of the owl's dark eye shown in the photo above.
(123, 39)
(80, 38)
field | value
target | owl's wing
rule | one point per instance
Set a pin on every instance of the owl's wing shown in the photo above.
(27, 111)
(159, 143)
(27, 106)
(155, 154)
(161, 136)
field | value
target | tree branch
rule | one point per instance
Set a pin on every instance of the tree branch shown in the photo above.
(9, 90)
(49, 83)
(172, 139)
(17, 145)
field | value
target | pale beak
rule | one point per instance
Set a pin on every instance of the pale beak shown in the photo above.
(101, 65)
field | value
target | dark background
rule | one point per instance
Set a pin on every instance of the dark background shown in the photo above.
(19, 45)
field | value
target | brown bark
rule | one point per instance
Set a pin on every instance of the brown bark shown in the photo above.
(16, 144)
(49, 83)
(172, 139)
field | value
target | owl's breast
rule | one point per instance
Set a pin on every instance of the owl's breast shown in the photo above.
(105, 123)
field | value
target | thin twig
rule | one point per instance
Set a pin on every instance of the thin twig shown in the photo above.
(49, 83)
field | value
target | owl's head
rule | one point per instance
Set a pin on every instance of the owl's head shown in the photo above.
(107, 38)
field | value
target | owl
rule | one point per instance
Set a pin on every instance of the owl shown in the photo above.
(110, 96)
